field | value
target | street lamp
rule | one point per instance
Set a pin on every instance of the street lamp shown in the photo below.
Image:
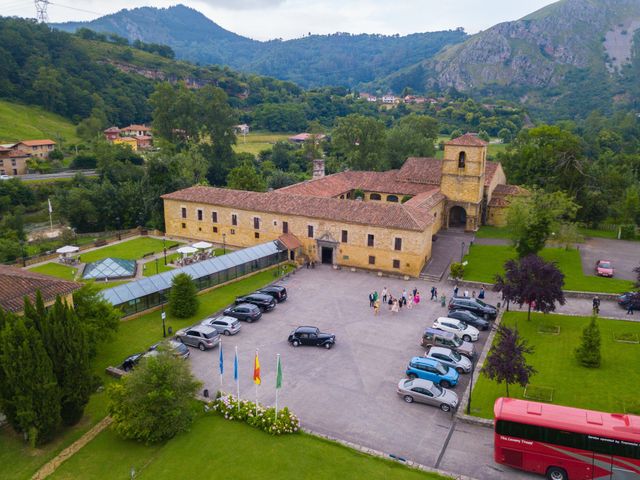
(164, 248)
(461, 252)
(163, 315)
(224, 243)
(156, 265)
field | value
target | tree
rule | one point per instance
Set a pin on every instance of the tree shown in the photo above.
(98, 316)
(29, 394)
(246, 177)
(154, 402)
(531, 279)
(359, 141)
(457, 270)
(506, 360)
(588, 353)
(413, 136)
(183, 301)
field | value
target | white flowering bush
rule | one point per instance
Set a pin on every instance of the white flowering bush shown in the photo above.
(259, 417)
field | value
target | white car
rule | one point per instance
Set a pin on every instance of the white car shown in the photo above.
(223, 324)
(464, 331)
(5, 177)
(450, 358)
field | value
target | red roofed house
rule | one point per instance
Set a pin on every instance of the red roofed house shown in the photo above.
(303, 137)
(37, 148)
(111, 133)
(135, 131)
(13, 162)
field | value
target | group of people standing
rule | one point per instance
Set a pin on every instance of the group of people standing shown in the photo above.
(395, 304)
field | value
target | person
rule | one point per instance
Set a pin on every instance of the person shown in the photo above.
(630, 308)
(416, 298)
(596, 305)
(415, 290)
(455, 291)
(390, 302)
(400, 303)
(384, 295)
(404, 296)
(375, 296)
(376, 307)
(473, 293)
(371, 300)
(410, 301)
(466, 294)
(306, 264)
(433, 292)
(533, 304)
(395, 308)
(481, 294)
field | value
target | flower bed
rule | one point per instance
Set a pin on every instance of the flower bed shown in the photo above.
(258, 417)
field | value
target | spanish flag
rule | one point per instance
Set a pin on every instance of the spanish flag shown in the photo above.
(256, 370)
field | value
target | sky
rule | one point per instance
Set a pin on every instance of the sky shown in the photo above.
(268, 19)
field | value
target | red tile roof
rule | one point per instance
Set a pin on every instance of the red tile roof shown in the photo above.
(112, 130)
(134, 128)
(502, 190)
(303, 137)
(390, 215)
(490, 170)
(290, 241)
(426, 200)
(329, 186)
(37, 143)
(15, 284)
(468, 140)
(421, 170)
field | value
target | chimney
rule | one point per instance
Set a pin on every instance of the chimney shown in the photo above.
(318, 168)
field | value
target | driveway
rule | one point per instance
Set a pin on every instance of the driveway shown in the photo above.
(624, 254)
(348, 392)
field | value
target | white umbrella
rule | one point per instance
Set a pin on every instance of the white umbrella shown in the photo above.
(187, 250)
(202, 245)
(67, 249)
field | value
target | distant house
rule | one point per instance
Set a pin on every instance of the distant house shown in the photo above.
(242, 129)
(414, 100)
(390, 99)
(303, 137)
(37, 148)
(136, 131)
(111, 133)
(12, 161)
(144, 142)
(139, 137)
(368, 97)
(131, 141)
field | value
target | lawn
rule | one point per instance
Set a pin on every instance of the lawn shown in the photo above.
(256, 142)
(138, 334)
(611, 388)
(485, 261)
(56, 270)
(19, 461)
(250, 453)
(487, 231)
(23, 122)
(128, 250)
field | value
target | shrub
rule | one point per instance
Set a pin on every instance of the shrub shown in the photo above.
(183, 300)
(627, 232)
(457, 270)
(262, 417)
(588, 353)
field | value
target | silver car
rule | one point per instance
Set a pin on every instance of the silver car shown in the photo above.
(425, 391)
(223, 324)
(201, 336)
(450, 358)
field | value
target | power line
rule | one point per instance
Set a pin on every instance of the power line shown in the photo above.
(41, 10)
(73, 8)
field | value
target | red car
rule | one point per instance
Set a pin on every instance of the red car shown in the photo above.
(604, 268)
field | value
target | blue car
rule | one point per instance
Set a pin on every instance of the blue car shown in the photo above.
(430, 369)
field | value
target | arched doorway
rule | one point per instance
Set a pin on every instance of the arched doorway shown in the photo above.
(457, 217)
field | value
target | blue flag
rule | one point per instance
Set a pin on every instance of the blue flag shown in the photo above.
(221, 360)
(235, 367)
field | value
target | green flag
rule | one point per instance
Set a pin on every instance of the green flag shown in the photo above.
(279, 374)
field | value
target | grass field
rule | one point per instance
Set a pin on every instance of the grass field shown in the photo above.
(503, 232)
(56, 270)
(22, 122)
(485, 261)
(129, 250)
(19, 461)
(255, 455)
(139, 334)
(487, 231)
(258, 141)
(611, 388)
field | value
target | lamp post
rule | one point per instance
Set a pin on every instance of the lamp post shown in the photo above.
(224, 243)
(461, 252)
(163, 315)
(156, 265)
(164, 248)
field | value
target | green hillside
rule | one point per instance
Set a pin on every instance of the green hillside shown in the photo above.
(22, 122)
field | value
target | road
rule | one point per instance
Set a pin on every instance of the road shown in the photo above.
(54, 176)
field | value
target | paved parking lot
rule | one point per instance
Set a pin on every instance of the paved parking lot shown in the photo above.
(348, 392)
(622, 253)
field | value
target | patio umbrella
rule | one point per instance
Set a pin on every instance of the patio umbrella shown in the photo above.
(187, 250)
(67, 249)
(202, 245)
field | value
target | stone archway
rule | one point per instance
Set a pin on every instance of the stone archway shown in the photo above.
(457, 217)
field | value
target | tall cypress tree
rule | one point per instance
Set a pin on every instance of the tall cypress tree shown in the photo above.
(30, 394)
(66, 342)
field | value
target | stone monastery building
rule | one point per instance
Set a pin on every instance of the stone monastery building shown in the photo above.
(389, 229)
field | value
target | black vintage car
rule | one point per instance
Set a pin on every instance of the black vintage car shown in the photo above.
(276, 291)
(264, 302)
(311, 336)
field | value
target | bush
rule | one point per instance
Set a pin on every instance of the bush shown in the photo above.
(457, 270)
(84, 161)
(183, 300)
(265, 419)
(588, 353)
(627, 232)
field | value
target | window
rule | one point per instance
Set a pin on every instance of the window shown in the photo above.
(372, 260)
(215, 229)
(462, 158)
(375, 196)
(184, 225)
(256, 234)
(397, 244)
(233, 231)
(310, 231)
(396, 264)
(199, 215)
(184, 212)
(345, 236)
(370, 240)
(285, 227)
(234, 219)
(256, 223)
(214, 217)
(392, 198)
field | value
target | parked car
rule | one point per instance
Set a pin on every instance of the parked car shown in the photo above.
(439, 338)
(311, 336)
(5, 177)
(464, 331)
(224, 324)
(278, 292)
(474, 305)
(469, 318)
(178, 349)
(430, 369)
(201, 336)
(264, 302)
(604, 268)
(425, 391)
(245, 311)
(628, 298)
(450, 358)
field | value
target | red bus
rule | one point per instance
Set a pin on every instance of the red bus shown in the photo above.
(566, 443)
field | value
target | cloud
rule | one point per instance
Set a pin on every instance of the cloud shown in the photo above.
(244, 4)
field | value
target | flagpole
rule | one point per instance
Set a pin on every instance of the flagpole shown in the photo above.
(221, 363)
(254, 381)
(277, 367)
(237, 378)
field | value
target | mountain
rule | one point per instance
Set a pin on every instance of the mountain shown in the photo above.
(572, 50)
(318, 60)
